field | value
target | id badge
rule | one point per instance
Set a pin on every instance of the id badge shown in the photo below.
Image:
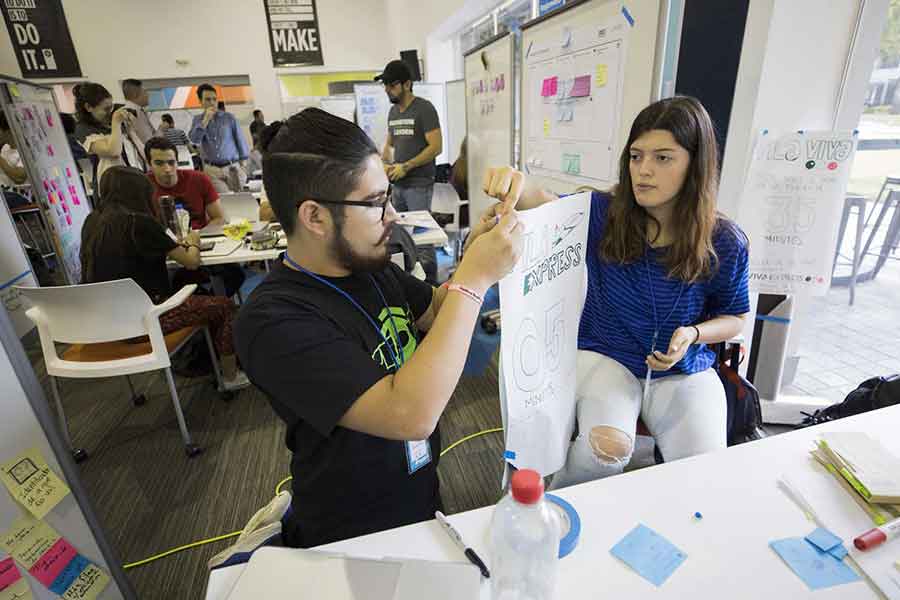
(418, 454)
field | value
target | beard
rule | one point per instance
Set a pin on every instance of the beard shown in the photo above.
(393, 99)
(354, 262)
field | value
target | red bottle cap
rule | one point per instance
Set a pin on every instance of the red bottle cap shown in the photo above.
(870, 539)
(527, 486)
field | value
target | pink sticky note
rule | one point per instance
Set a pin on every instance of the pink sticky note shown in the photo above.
(68, 172)
(50, 150)
(9, 573)
(581, 87)
(49, 118)
(68, 219)
(46, 186)
(50, 565)
(548, 88)
(52, 197)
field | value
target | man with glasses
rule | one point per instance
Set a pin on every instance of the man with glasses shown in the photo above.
(332, 336)
(413, 141)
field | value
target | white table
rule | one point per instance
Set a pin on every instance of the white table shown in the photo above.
(728, 552)
(433, 236)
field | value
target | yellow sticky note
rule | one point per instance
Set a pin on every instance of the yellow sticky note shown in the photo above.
(56, 171)
(17, 591)
(546, 126)
(14, 90)
(32, 483)
(600, 79)
(28, 540)
(88, 585)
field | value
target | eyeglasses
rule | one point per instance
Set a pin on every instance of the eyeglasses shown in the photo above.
(381, 201)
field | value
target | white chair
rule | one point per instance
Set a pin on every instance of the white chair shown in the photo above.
(100, 321)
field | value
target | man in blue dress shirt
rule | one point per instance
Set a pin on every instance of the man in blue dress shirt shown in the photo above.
(222, 144)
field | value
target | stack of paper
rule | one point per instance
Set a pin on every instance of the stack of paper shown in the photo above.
(865, 470)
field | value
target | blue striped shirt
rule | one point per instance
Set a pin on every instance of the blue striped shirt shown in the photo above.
(618, 319)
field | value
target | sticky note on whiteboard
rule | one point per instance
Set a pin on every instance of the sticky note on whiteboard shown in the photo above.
(600, 79)
(546, 127)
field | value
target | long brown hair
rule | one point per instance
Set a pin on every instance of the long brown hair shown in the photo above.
(123, 190)
(691, 257)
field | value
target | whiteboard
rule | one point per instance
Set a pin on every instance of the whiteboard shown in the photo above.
(342, 106)
(34, 119)
(373, 106)
(15, 269)
(489, 115)
(586, 73)
(456, 118)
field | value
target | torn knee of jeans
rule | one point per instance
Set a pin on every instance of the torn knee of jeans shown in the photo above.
(610, 445)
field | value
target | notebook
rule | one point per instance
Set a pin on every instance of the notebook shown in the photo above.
(866, 464)
(275, 573)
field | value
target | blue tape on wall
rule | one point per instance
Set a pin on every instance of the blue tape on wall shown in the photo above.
(571, 524)
(15, 279)
(772, 319)
(628, 16)
(510, 455)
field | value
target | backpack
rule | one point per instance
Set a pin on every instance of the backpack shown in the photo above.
(744, 420)
(874, 393)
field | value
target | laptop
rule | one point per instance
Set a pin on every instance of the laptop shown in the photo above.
(241, 205)
(275, 573)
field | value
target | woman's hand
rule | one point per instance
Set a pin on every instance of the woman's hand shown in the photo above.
(122, 116)
(682, 338)
(504, 183)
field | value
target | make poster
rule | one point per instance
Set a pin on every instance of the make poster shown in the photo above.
(541, 302)
(791, 206)
(52, 560)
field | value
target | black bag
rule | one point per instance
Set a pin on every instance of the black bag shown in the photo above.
(744, 418)
(874, 393)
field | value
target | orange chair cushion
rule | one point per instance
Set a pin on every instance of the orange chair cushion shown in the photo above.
(124, 349)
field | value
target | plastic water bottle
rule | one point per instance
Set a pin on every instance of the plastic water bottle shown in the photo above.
(183, 218)
(524, 542)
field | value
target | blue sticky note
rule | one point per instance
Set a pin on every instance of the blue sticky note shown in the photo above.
(651, 555)
(816, 568)
(823, 539)
(839, 552)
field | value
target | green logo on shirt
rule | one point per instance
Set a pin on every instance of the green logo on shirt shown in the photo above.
(403, 323)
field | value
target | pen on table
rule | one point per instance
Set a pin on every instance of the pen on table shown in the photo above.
(878, 535)
(454, 535)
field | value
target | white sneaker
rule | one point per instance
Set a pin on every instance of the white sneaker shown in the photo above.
(239, 382)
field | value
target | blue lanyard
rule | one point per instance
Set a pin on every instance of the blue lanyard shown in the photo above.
(656, 322)
(398, 362)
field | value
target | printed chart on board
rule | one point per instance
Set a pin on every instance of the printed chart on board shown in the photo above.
(791, 207)
(541, 302)
(572, 103)
(46, 154)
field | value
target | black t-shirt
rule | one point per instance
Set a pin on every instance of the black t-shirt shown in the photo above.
(133, 246)
(314, 354)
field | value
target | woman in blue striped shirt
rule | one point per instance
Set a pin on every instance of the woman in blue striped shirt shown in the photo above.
(667, 275)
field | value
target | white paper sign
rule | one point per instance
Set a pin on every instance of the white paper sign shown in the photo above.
(541, 303)
(791, 207)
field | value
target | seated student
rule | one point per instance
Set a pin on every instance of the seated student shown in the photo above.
(667, 275)
(331, 335)
(107, 136)
(121, 238)
(168, 130)
(12, 172)
(200, 197)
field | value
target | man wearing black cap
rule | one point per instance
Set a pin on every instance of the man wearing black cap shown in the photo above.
(413, 141)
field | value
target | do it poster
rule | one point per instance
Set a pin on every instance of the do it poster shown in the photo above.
(541, 302)
(791, 206)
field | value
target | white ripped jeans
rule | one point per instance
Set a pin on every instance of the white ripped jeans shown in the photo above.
(686, 414)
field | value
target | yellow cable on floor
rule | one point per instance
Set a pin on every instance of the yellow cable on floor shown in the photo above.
(141, 563)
